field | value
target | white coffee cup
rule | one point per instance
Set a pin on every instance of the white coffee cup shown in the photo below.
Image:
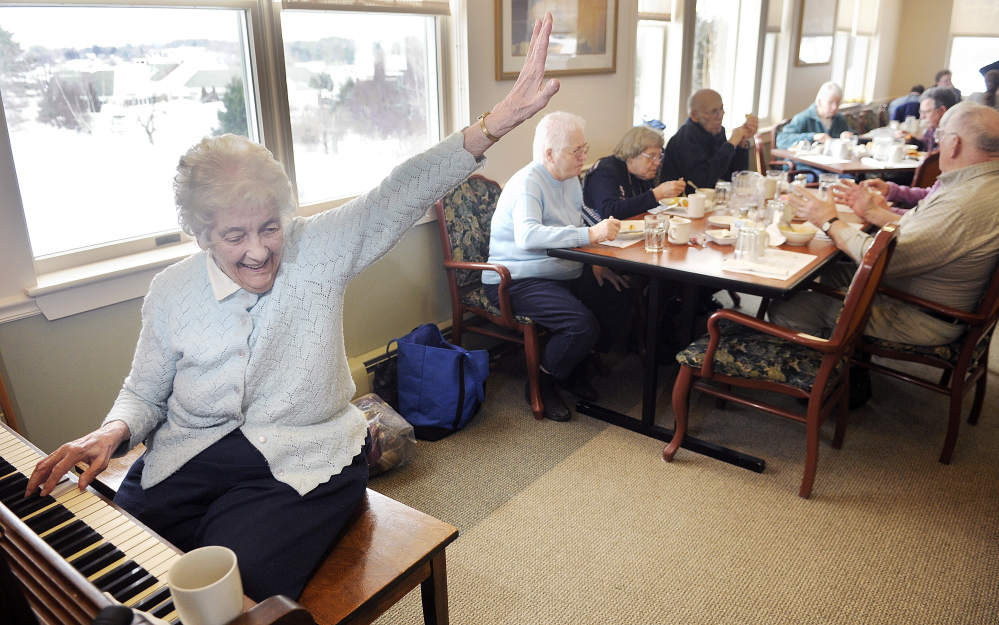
(206, 587)
(679, 231)
(695, 205)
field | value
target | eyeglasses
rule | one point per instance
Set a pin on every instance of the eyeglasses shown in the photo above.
(941, 135)
(580, 151)
(658, 158)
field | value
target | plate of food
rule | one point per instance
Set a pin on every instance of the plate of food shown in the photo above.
(721, 237)
(721, 220)
(632, 228)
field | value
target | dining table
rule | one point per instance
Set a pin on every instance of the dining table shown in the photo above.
(853, 166)
(695, 267)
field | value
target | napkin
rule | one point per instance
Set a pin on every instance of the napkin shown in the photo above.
(780, 264)
(873, 162)
(777, 237)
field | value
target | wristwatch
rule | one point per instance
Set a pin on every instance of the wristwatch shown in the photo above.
(825, 227)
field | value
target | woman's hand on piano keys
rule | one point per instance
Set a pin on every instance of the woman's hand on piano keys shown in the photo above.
(95, 449)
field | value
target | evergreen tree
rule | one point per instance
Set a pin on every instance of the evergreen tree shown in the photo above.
(232, 117)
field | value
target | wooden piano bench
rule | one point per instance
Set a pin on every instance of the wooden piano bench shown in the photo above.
(386, 551)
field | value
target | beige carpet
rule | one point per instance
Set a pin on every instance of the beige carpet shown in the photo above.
(582, 522)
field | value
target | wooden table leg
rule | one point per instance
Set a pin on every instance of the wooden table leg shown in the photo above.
(434, 591)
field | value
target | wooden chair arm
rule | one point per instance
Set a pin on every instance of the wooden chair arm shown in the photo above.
(276, 610)
(799, 338)
(930, 305)
(504, 286)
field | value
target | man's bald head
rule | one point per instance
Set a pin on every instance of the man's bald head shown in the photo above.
(706, 108)
(968, 134)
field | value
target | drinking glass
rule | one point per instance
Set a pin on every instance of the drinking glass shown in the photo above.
(826, 183)
(655, 233)
(723, 191)
(775, 183)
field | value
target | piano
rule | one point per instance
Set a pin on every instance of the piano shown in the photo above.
(66, 556)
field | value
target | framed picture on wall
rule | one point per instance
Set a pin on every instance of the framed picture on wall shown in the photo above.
(583, 39)
(815, 35)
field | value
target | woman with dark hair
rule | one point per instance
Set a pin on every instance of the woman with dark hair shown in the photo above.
(988, 97)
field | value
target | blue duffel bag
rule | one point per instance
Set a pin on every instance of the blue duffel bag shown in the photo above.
(441, 386)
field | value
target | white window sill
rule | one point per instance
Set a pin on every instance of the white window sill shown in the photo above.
(87, 287)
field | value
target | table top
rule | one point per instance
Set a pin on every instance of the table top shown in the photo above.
(854, 166)
(703, 265)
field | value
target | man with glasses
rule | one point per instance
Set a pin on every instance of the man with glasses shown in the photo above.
(699, 152)
(947, 245)
(582, 306)
(932, 105)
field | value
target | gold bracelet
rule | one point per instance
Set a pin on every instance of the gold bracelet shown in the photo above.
(485, 131)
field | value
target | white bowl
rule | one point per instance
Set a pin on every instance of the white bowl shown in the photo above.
(721, 237)
(800, 234)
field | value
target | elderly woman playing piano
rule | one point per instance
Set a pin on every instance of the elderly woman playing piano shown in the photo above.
(239, 386)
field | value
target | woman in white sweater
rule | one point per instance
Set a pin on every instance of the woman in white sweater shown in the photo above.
(239, 386)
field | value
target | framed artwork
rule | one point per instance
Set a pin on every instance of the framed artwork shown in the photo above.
(815, 35)
(583, 40)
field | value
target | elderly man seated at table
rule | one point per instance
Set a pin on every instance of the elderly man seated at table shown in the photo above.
(932, 105)
(907, 105)
(947, 245)
(699, 152)
(623, 184)
(582, 306)
(820, 122)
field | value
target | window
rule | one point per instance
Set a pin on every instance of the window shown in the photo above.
(650, 59)
(974, 29)
(855, 28)
(772, 41)
(361, 96)
(726, 41)
(101, 101)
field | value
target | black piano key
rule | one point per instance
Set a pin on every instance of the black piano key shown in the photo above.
(82, 541)
(12, 486)
(153, 600)
(164, 609)
(129, 573)
(30, 505)
(101, 563)
(91, 556)
(114, 574)
(66, 533)
(48, 519)
(137, 584)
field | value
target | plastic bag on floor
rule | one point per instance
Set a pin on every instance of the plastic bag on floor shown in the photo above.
(393, 441)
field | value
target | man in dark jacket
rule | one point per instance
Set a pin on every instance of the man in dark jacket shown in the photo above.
(699, 152)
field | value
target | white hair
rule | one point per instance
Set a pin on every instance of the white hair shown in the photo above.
(829, 88)
(553, 132)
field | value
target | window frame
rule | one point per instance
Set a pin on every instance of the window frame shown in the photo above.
(117, 272)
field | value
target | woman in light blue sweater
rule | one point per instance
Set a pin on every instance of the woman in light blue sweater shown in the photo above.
(239, 386)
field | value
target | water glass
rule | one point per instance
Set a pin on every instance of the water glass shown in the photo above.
(774, 183)
(777, 212)
(723, 193)
(826, 183)
(655, 233)
(750, 243)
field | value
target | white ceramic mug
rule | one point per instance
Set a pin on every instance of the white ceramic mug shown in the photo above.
(679, 231)
(206, 587)
(696, 204)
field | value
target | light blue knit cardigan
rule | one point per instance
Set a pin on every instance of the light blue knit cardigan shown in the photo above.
(273, 365)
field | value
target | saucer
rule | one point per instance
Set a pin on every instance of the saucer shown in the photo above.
(721, 220)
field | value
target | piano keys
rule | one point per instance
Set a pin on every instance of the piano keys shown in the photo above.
(102, 545)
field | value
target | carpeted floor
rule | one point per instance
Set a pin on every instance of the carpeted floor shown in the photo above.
(582, 522)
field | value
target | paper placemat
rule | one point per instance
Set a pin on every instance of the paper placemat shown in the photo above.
(824, 159)
(873, 162)
(780, 264)
(622, 242)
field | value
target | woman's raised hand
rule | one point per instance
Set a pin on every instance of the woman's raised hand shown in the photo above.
(529, 95)
(95, 449)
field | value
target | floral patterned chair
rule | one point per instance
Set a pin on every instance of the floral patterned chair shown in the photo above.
(464, 217)
(745, 352)
(963, 363)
